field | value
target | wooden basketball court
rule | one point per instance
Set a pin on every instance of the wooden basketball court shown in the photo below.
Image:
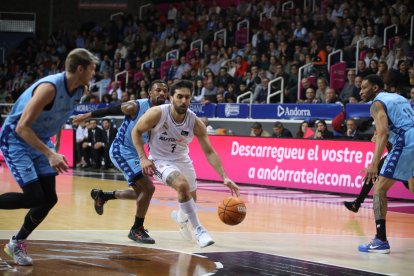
(285, 233)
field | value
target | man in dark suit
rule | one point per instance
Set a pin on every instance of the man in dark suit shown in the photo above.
(109, 134)
(352, 131)
(95, 144)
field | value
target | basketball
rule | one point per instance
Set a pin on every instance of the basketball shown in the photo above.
(232, 210)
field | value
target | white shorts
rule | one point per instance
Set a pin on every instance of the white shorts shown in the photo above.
(164, 168)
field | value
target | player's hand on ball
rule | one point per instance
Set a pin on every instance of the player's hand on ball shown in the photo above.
(232, 186)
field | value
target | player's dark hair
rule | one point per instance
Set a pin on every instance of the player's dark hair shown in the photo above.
(157, 82)
(179, 85)
(374, 79)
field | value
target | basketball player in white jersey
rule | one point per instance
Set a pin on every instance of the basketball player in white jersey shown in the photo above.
(172, 127)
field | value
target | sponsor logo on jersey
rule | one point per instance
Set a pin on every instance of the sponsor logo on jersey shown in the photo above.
(184, 133)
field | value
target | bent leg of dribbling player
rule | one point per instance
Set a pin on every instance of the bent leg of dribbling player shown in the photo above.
(366, 188)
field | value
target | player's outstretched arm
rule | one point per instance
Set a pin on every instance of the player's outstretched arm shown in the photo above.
(200, 132)
(128, 108)
(144, 124)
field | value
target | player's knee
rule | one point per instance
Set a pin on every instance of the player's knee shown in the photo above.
(183, 187)
(52, 201)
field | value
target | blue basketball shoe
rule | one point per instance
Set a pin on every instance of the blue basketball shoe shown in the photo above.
(375, 246)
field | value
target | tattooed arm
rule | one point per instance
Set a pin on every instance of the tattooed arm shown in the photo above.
(381, 124)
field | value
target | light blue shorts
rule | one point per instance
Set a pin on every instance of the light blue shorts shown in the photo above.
(126, 161)
(399, 164)
(25, 163)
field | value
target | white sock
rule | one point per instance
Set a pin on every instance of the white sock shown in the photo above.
(181, 216)
(189, 209)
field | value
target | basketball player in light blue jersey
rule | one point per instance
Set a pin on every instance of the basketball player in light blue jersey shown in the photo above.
(394, 121)
(39, 113)
(124, 156)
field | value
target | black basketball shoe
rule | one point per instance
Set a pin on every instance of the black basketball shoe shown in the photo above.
(140, 235)
(97, 196)
(352, 206)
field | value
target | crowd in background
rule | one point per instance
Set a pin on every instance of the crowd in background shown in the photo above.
(278, 44)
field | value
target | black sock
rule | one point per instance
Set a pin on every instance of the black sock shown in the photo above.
(29, 225)
(366, 188)
(108, 195)
(139, 222)
(380, 225)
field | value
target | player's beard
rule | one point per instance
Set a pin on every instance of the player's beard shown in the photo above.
(180, 109)
(160, 100)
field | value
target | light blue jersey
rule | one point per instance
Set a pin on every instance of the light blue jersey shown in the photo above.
(122, 152)
(399, 164)
(49, 121)
(25, 162)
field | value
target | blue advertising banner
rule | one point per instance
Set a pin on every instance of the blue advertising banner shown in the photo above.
(85, 108)
(295, 111)
(232, 110)
(357, 110)
(203, 110)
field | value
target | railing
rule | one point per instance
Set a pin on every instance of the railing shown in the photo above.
(357, 53)
(195, 43)
(411, 30)
(126, 77)
(385, 32)
(173, 54)
(115, 14)
(282, 88)
(333, 53)
(284, 5)
(300, 76)
(305, 4)
(247, 23)
(97, 84)
(222, 32)
(141, 9)
(250, 99)
(143, 65)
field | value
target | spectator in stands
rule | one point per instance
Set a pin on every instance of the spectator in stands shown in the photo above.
(387, 56)
(241, 67)
(115, 89)
(322, 85)
(257, 130)
(373, 66)
(322, 131)
(372, 40)
(223, 77)
(399, 54)
(214, 64)
(370, 55)
(352, 131)
(362, 69)
(114, 99)
(81, 137)
(279, 131)
(230, 95)
(310, 97)
(197, 95)
(291, 90)
(181, 68)
(411, 75)
(260, 91)
(400, 77)
(209, 92)
(349, 88)
(401, 42)
(304, 130)
(109, 134)
(332, 97)
(358, 83)
(95, 144)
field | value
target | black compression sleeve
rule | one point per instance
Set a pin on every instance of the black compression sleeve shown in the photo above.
(114, 110)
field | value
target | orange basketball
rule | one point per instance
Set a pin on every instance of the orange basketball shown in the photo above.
(232, 210)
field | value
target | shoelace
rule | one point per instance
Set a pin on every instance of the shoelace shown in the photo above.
(21, 247)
